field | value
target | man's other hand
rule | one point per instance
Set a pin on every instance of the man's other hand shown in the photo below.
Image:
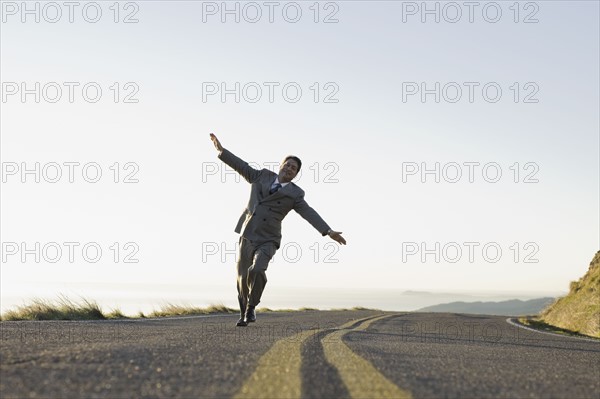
(216, 142)
(337, 236)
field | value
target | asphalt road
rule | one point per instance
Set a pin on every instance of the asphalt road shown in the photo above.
(313, 354)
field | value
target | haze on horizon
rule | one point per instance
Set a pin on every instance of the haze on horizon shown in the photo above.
(514, 207)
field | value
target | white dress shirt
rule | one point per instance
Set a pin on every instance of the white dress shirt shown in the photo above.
(277, 181)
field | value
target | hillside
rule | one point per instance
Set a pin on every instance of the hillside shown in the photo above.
(514, 307)
(579, 311)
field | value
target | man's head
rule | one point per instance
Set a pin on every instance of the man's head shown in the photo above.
(289, 168)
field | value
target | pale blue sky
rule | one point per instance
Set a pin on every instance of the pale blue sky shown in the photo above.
(368, 134)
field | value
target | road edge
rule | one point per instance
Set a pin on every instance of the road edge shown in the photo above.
(513, 321)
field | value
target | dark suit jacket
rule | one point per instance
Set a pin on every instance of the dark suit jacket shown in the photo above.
(261, 220)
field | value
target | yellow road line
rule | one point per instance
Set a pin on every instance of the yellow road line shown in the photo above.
(361, 378)
(277, 374)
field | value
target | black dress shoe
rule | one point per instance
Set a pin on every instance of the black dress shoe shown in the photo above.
(242, 322)
(250, 315)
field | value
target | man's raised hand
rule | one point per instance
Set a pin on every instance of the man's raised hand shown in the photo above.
(216, 142)
(337, 236)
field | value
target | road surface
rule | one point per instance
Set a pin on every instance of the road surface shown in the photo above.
(312, 354)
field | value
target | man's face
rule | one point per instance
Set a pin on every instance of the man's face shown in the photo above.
(288, 170)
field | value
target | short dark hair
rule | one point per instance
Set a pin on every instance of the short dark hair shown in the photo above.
(295, 158)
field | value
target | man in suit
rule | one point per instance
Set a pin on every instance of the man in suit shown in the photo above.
(272, 196)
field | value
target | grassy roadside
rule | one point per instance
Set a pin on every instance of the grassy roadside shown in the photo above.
(536, 323)
(64, 308)
(61, 309)
(579, 310)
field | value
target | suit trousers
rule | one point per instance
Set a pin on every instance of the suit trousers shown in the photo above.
(252, 265)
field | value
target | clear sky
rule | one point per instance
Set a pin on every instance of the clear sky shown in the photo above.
(518, 94)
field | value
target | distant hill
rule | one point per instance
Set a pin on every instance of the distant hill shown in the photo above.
(579, 311)
(513, 307)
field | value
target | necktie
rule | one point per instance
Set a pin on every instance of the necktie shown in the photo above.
(275, 188)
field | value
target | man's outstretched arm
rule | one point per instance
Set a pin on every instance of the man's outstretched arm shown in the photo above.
(312, 217)
(240, 166)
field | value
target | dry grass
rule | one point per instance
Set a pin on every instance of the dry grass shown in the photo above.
(579, 311)
(355, 308)
(116, 314)
(303, 309)
(62, 308)
(181, 310)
